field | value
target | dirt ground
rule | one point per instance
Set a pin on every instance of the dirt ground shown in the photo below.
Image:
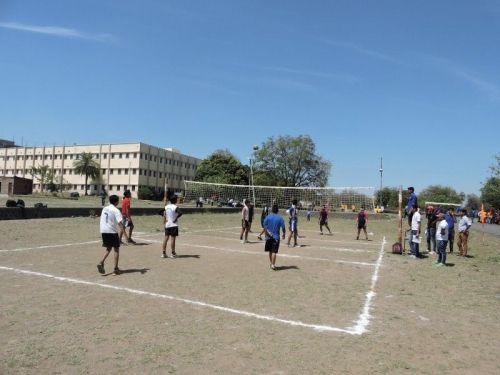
(205, 311)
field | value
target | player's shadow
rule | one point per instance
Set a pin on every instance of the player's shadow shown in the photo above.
(469, 256)
(142, 271)
(140, 244)
(188, 256)
(450, 264)
(284, 268)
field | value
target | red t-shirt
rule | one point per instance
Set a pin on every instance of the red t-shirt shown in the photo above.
(125, 206)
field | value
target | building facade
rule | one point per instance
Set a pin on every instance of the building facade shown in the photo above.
(15, 185)
(123, 166)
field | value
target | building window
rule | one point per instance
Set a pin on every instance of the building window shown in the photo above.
(97, 156)
(112, 155)
(127, 155)
(135, 155)
(82, 187)
(125, 171)
(95, 187)
(149, 173)
(155, 158)
(119, 171)
(111, 171)
(104, 156)
(133, 187)
(103, 172)
(134, 171)
(160, 174)
(154, 174)
(120, 155)
(117, 187)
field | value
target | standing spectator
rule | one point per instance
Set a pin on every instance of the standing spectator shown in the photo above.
(293, 221)
(473, 214)
(263, 215)
(412, 200)
(450, 219)
(308, 213)
(323, 220)
(361, 221)
(127, 218)
(110, 224)
(172, 214)
(103, 196)
(442, 239)
(415, 232)
(245, 223)
(272, 225)
(463, 233)
(431, 229)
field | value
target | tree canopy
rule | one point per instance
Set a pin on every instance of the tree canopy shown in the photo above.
(439, 193)
(490, 193)
(43, 174)
(86, 165)
(290, 161)
(224, 168)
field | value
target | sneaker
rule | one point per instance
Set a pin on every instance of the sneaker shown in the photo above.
(174, 254)
(100, 268)
(273, 267)
(122, 243)
(130, 240)
(357, 238)
(439, 265)
(413, 256)
(321, 233)
(297, 245)
(242, 241)
(164, 255)
(117, 271)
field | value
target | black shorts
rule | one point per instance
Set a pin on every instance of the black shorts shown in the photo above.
(127, 223)
(323, 222)
(272, 245)
(172, 231)
(361, 225)
(245, 224)
(110, 240)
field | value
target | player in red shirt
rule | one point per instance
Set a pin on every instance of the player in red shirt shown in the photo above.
(127, 218)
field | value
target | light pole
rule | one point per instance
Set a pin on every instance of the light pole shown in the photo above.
(252, 159)
(381, 170)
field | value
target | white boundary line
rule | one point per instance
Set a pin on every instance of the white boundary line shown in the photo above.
(358, 329)
(363, 321)
(284, 255)
(296, 323)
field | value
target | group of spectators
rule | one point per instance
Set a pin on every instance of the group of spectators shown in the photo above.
(440, 229)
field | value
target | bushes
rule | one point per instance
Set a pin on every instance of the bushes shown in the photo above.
(149, 193)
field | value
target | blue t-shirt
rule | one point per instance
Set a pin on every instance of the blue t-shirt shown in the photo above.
(412, 199)
(272, 223)
(451, 222)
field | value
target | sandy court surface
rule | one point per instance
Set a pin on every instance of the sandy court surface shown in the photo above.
(219, 309)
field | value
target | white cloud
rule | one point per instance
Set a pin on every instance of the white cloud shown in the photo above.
(57, 31)
(364, 51)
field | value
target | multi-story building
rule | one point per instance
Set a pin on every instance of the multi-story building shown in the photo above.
(123, 166)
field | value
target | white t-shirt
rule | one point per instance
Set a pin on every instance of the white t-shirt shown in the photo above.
(110, 217)
(245, 213)
(442, 226)
(415, 220)
(171, 214)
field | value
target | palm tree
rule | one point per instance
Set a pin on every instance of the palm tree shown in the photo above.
(86, 165)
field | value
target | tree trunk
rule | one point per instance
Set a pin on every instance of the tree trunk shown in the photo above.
(86, 179)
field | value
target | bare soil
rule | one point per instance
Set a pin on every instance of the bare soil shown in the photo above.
(424, 319)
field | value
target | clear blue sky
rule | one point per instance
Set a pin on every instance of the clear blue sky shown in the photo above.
(417, 83)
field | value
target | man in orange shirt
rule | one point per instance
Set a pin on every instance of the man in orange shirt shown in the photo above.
(127, 219)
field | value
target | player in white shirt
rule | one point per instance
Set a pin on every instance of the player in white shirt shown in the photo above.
(110, 226)
(170, 217)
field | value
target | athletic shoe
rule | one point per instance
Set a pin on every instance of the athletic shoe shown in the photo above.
(174, 254)
(100, 268)
(117, 271)
(357, 238)
(164, 255)
(130, 240)
(439, 265)
(273, 267)
(321, 233)
(413, 256)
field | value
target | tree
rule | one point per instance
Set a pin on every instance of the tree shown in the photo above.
(472, 201)
(224, 168)
(438, 193)
(389, 197)
(290, 161)
(490, 193)
(495, 167)
(86, 165)
(43, 174)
